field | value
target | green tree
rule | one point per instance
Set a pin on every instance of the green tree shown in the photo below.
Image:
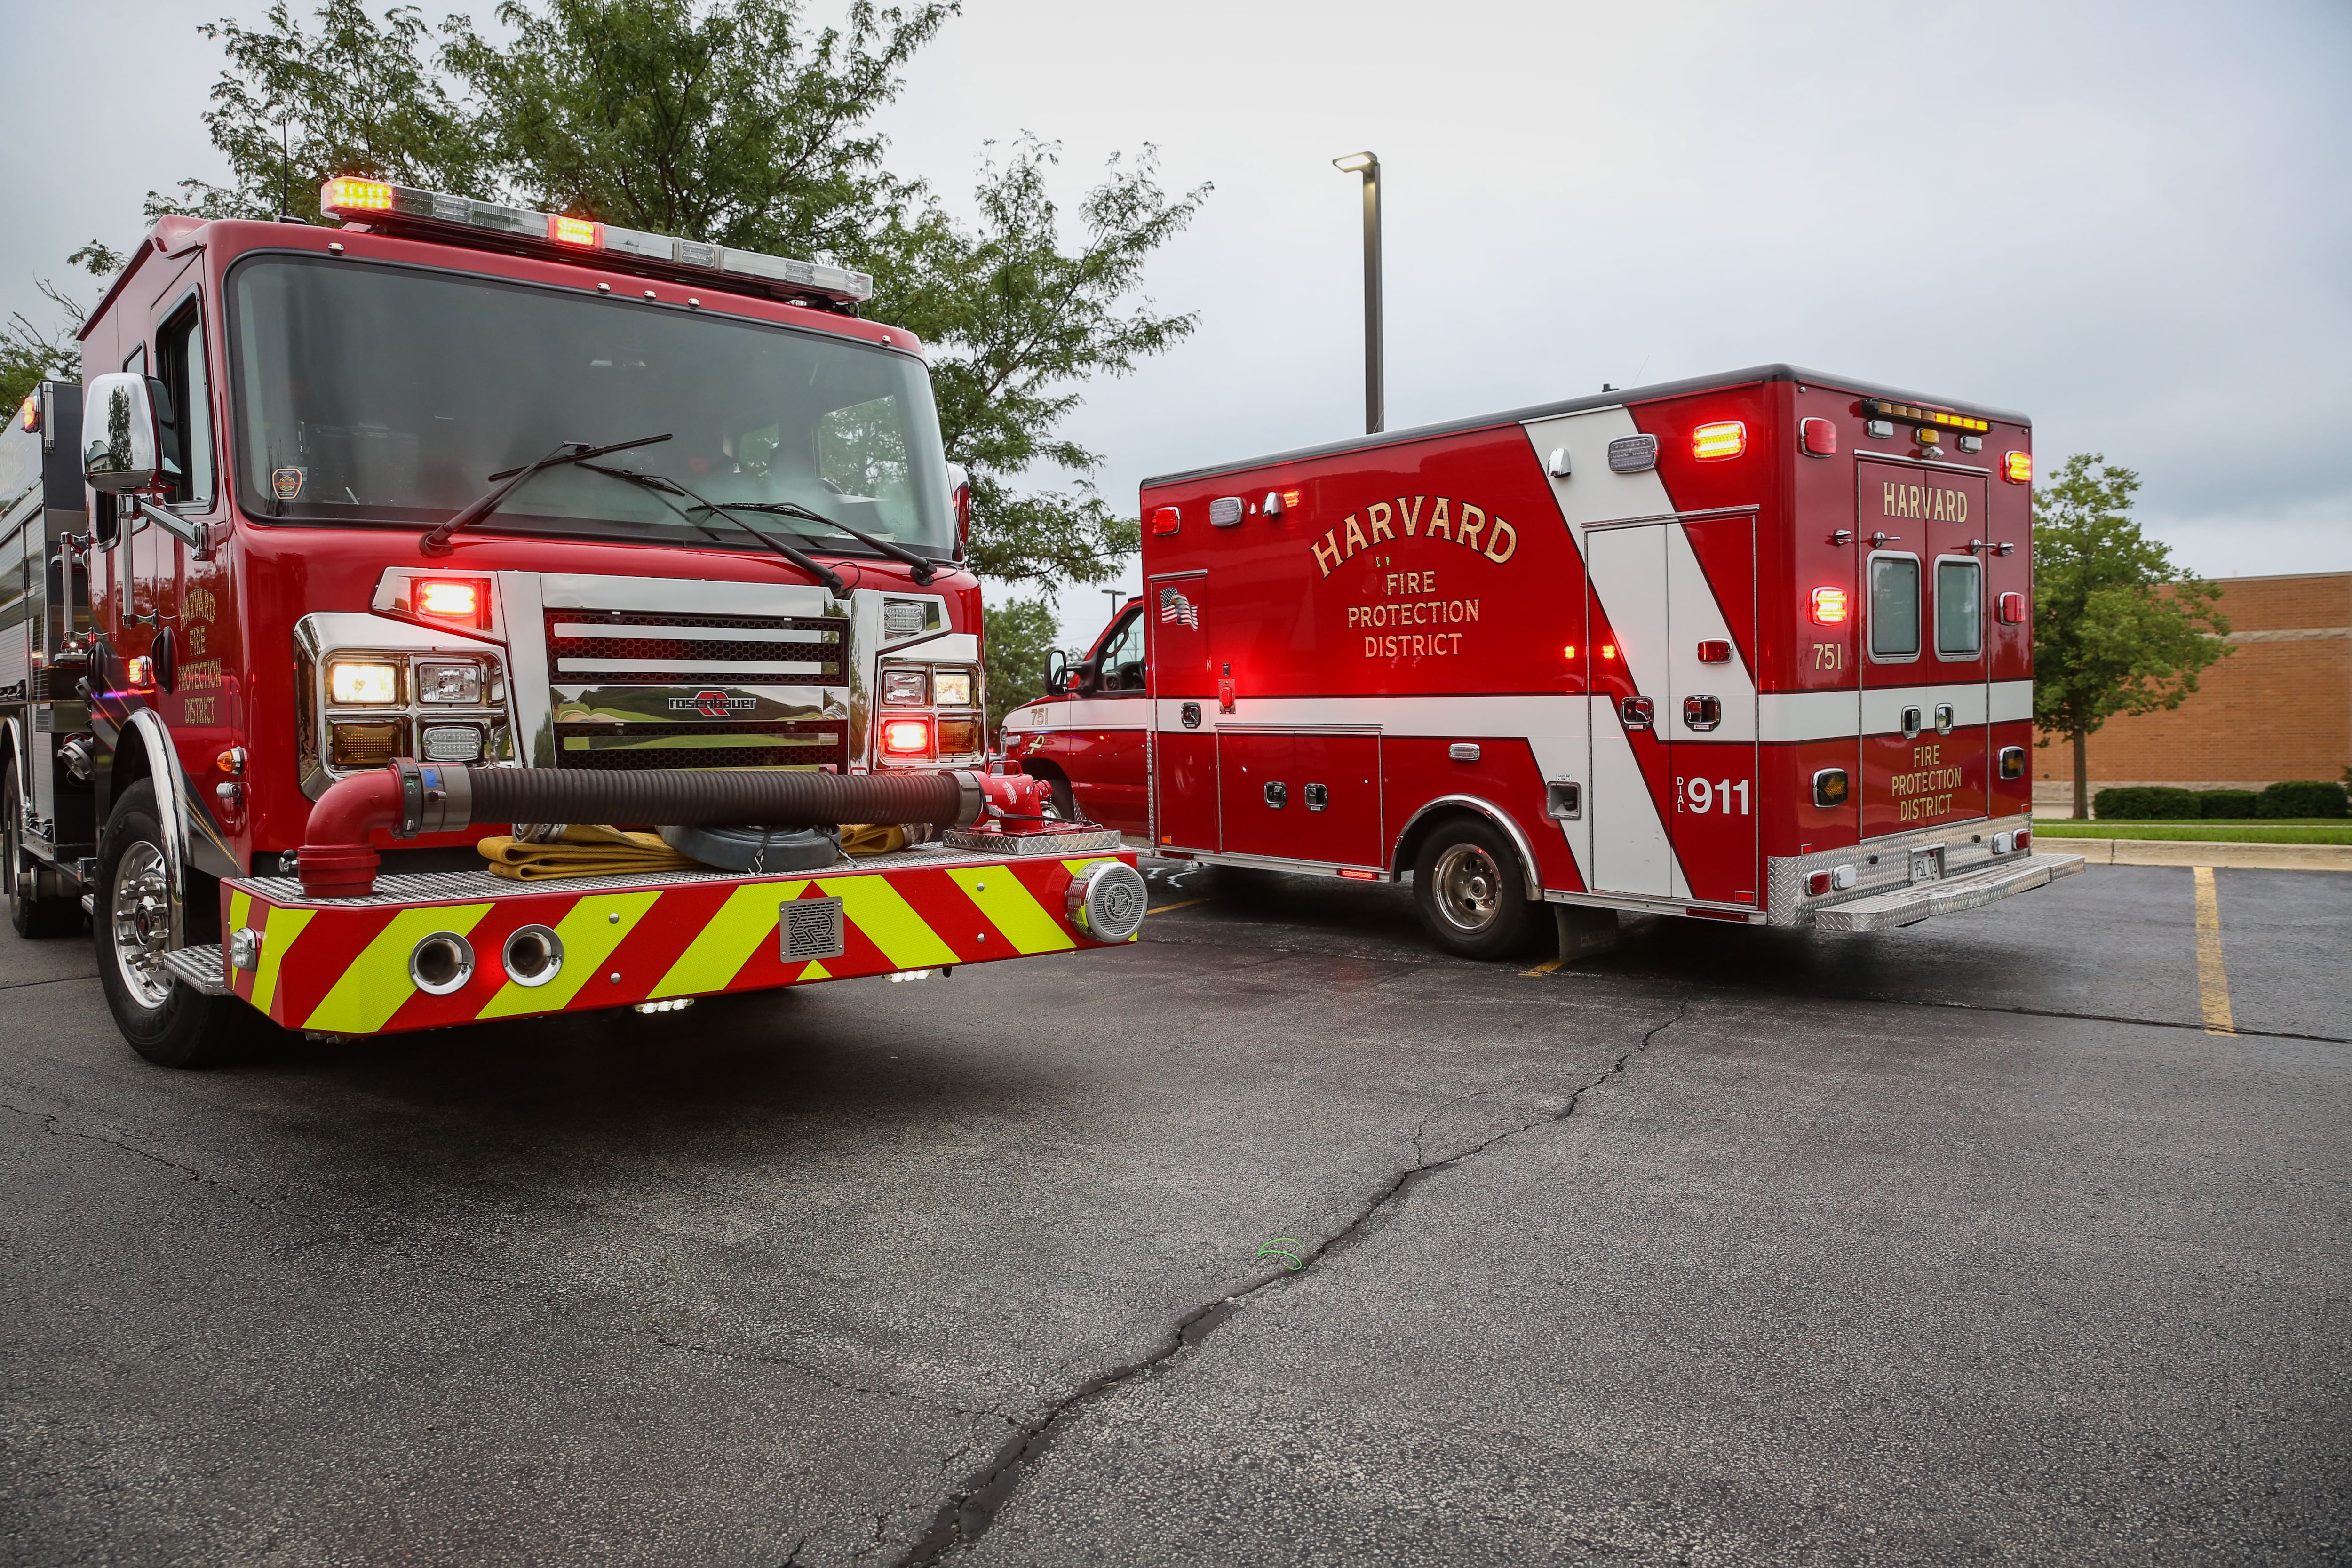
(29, 356)
(1015, 639)
(735, 123)
(2117, 627)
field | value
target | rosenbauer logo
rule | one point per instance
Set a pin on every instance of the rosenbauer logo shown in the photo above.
(712, 704)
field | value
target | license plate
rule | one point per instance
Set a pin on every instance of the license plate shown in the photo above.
(1927, 865)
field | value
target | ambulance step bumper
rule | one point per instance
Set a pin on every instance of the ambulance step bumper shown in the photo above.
(198, 968)
(1974, 889)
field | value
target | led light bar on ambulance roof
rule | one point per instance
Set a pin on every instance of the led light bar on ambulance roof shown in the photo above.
(366, 201)
(1912, 414)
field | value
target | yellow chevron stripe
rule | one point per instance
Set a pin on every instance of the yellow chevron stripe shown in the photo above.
(888, 922)
(729, 938)
(815, 970)
(278, 935)
(589, 934)
(239, 903)
(371, 989)
(1016, 912)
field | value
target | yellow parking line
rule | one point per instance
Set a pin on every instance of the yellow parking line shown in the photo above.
(2212, 979)
(1163, 908)
(1546, 967)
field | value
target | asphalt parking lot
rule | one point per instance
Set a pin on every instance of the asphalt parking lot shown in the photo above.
(1274, 1238)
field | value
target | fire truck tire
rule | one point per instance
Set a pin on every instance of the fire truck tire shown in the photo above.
(33, 914)
(166, 1021)
(1467, 882)
(1065, 805)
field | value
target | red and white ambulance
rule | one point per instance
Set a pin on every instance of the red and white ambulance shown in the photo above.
(1755, 647)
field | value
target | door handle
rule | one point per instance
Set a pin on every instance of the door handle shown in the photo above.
(1943, 718)
(1278, 795)
(1637, 713)
(1317, 797)
(1702, 713)
(1910, 724)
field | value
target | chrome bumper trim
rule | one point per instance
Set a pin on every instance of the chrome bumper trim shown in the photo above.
(1921, 901)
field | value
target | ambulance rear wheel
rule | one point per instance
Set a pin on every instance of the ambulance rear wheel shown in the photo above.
(165, 1021)
(32, 912)
(1469, 887)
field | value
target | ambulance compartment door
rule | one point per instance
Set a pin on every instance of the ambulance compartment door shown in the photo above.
(1311, 796)
(1625, 619)
(1182, 740)
(1710, 711)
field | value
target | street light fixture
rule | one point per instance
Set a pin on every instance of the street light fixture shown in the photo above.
(1369, 165)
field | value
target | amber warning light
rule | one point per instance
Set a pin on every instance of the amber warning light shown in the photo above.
(1724, 439)
(578, 231)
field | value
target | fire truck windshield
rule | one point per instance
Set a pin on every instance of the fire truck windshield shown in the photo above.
(371, 393)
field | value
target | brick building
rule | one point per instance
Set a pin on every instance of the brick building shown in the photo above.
(2280, 707)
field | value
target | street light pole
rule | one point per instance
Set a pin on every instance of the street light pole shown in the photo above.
(1375, 411)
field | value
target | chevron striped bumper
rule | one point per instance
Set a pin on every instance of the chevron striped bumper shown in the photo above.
(426, 952)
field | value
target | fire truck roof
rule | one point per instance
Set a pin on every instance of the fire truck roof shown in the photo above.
(1609, 399)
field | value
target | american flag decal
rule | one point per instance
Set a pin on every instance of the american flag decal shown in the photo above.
(1176, 608)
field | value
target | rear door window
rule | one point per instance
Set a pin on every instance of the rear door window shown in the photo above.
(1960, 609)
(1894, 608)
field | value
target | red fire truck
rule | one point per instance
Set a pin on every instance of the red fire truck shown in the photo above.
(360, 543)
(1752, 648)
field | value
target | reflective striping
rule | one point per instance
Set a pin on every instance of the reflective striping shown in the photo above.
(278, 930)
(240, 904)
(815, 970)
(728, 939)
(589, 935)
(1010, 907)
(880, 911)
(376, 983)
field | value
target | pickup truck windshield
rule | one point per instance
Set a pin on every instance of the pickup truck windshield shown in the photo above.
(374, 394)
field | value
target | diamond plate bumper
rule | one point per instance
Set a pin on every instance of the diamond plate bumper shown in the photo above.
(1909, 905)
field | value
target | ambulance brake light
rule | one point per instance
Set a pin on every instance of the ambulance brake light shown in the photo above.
(1828, 606)
(1724, 439)
(584, 232)
(2017, 467)
(1166, 520)
(1818, 438)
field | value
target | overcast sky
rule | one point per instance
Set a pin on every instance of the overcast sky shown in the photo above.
(2130, 222)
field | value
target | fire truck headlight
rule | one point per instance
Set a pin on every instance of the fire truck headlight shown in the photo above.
(952, 687)
(902, 686)
(454, 683)
(364, 683)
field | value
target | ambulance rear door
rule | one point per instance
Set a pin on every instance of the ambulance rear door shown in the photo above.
(1925, 716)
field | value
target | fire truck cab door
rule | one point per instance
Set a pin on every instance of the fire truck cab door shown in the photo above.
(1671, 619)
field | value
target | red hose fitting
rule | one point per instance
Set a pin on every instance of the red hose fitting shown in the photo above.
(1014, 794)
(336, 860)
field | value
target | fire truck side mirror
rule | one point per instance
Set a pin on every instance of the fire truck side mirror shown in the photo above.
(120, 443)
(1057, 670)
(960, 491)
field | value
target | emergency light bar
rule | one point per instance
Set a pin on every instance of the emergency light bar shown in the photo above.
(1912, 414)
(372, 202)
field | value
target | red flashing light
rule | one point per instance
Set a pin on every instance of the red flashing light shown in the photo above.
(1166, 520)
(459, 599)
(907, 737)
(1568, 652)
(1724, 439)
(1818, 438)
(30, 410)
(2017, 467)
(580, 231)
(1361, 876)
(1609, 650)
(344, 193)
(1714, 651)
(1828, 606)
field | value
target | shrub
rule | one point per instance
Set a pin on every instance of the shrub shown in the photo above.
(2310, 798)
(2232, 805)
(2146, 803)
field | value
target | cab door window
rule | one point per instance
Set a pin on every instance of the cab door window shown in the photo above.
(1894, 608)
(1119, 667)
(186, 418)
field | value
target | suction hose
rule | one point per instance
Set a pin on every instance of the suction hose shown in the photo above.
(407, 798)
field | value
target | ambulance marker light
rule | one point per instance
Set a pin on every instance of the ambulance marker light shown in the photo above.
(1609, 650)
(1828, 606)
(358, 196)
(1831, 788)
(578, 231)
(2024, 839)
(1361, 876)
(1570, 651)
(2017, 467)
(1166, 520)
(1724, 439)
(1818, 438)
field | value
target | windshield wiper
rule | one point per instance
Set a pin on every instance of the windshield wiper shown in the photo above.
(658, 483)
(924, 567)
(435, 540)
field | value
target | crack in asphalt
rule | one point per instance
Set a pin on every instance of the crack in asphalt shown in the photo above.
(54, 980)
(50, 1124)
(966, 1517)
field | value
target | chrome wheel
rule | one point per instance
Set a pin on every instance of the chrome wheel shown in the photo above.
(1468, 887)
(139, 907)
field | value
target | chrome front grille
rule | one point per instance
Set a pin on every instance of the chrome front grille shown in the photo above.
(747, 743)
(640, 647)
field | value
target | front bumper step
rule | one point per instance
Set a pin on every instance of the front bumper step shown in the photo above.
(198, 968)
(1973, 889)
